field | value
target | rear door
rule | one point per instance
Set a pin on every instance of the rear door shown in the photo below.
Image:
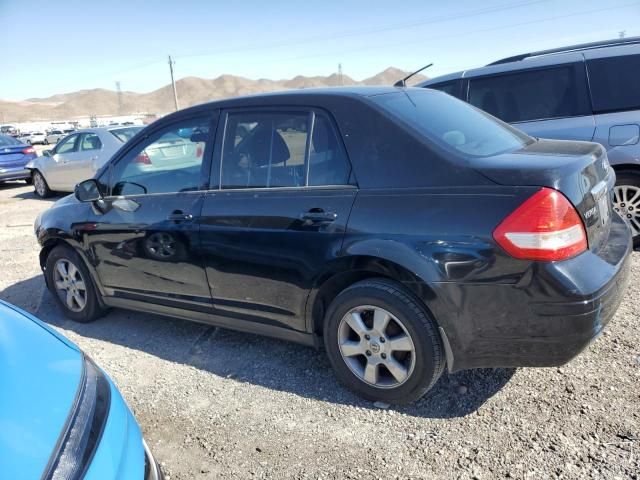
(144, 234)
(615, 92)
(279, 214)
(546, 102)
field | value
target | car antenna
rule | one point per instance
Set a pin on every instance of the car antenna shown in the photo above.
(403, 82)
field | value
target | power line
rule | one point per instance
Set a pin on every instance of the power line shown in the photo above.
(369, 31)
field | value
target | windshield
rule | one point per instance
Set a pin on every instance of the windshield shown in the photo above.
(125, 134)
(452, 123)
(6, 141)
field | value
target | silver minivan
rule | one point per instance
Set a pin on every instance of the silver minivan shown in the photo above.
(583, 92)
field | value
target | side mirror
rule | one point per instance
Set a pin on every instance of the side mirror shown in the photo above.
(88, 191)
(47, 153)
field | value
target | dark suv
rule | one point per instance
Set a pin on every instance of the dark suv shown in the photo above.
(583, 92)
(402, 228)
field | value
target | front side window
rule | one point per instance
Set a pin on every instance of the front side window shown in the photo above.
(452, 123)
(67, 145)
(615, 83)
(90, 141)
(528, 95)
(168, 161)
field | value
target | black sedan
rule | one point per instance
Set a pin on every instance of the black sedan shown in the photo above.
(403, 229)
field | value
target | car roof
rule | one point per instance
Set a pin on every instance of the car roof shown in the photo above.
(303, 96)
(542, 58)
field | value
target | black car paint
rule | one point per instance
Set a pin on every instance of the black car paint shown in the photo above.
(415, 214)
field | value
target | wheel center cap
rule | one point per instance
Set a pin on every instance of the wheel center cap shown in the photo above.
(374, 347)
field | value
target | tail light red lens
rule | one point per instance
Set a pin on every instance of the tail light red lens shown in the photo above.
(545, 227)
(143, 158)
(28, 150)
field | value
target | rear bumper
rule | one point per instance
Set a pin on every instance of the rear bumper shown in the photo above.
(545, 319)
(14, 174)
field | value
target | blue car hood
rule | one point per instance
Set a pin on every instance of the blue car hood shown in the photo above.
(40, 373)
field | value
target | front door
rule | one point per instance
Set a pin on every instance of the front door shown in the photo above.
(61, 163)
(144, 234)
(279, 215)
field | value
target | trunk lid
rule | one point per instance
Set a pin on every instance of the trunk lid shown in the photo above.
(12, 156)
(580, 170)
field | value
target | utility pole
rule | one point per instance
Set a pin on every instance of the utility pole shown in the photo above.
(119, 90)
(173, 82)
(340, 74)
(622, 34)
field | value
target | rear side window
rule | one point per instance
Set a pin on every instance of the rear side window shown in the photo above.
(451, 123)
(615, 83)
(269, 150)
(532, 94)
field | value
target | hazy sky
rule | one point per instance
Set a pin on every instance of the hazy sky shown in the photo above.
(60, 46)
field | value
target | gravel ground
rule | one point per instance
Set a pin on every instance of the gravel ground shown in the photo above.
(214, 403)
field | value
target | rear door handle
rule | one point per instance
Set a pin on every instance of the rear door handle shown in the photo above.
(180, 217)
(318, 215)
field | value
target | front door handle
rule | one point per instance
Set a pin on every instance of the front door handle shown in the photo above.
(318, 215)
(180, 217)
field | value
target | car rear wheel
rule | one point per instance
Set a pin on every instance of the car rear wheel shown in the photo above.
(40, 185)
(72, 286)
(626, 201)
(382, 343)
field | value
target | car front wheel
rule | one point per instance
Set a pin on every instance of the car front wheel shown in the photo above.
(71, 284)
(40, 185)
(382, 343)
(626, 201)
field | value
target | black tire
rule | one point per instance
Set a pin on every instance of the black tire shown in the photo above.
(40, 186)
(91, 309)
(45, 142)
(429, 359)
(629, 178)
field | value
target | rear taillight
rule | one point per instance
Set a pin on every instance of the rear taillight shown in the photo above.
(143, 158)
(545, 227)
(28, 150)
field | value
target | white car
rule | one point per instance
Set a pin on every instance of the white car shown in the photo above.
(76, 157)
(34, 137)
(54, 136)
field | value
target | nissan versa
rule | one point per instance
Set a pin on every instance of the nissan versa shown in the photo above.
(61, 417)
(403, 228)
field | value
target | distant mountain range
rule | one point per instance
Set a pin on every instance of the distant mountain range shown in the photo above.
(191, 91)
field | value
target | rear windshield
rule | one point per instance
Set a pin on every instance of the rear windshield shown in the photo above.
(125, 134)
(452, 123)
(6, 141)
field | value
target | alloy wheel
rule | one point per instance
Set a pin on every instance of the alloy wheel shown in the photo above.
(376, 346)
(39, 185)
(70, 285)
(626, 201)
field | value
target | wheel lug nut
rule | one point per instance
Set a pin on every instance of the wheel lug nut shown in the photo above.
(384, 355)
(628, 216)
(368, 352)
(382, 340)
(367, 337)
